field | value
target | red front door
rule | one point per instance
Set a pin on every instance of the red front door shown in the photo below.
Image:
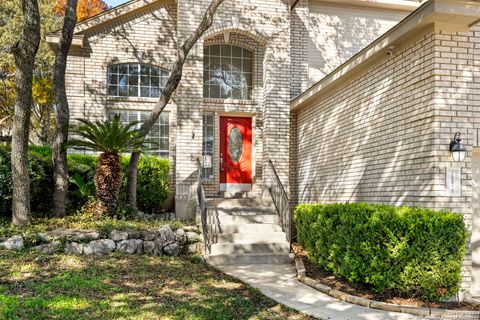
(235, 153)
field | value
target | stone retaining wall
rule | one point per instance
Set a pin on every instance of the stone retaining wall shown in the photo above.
(157, 242)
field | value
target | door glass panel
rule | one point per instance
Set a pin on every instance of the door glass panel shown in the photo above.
(235, 145)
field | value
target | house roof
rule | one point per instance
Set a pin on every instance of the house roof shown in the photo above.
(102, 18)
(451, 15)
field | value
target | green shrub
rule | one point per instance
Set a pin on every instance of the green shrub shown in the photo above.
(152, 180)
(152, 183)
(412, 251)
(41, 186)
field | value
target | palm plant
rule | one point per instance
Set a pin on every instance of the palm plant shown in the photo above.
(110, 138)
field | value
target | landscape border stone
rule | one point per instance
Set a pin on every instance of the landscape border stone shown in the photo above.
(159, 241)
(340, 295)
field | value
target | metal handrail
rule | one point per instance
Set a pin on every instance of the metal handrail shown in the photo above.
(281, 202)
(202, 204)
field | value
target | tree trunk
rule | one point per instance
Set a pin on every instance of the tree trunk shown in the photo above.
(24, 52)
(108, 180)
(59, 152)
(132, 180)
(170, 87)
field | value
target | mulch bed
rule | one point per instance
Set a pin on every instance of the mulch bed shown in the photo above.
(361, 290)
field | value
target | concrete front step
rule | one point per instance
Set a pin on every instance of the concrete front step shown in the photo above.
(235, 203)
(250, 258)
(249, 248)
(242, 219)
(246, 228)
(239, 211)
(269, 237)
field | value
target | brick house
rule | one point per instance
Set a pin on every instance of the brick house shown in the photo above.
(350, 100)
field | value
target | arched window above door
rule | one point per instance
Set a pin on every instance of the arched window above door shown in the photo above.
(228, 72)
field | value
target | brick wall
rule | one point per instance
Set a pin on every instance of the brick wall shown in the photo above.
(383, 135)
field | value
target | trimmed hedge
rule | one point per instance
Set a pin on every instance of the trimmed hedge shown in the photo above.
(412, 251)
(152, 180)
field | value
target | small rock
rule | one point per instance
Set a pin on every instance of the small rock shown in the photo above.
(158, 251)
(166, 235)
(127, 246)
(134, 234)
(13, 243)
(116, 235)
(99, 247)
(149, 247)
(84, 235)
(48, 248)
(139, 246)
(181, 236)
(193, 237)
(150, 235)
(191, 229)
(74, 248)
(172, 249)
(193, 248)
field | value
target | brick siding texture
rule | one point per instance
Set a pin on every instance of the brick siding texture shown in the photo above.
(383, 136)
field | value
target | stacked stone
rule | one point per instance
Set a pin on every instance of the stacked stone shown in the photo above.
(159, 242)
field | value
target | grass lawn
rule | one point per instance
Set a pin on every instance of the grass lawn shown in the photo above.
(36, 286)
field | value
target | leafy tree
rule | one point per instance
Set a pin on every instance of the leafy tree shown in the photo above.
(170, 87)
(85, 8)
(42, 120)
(110, 138)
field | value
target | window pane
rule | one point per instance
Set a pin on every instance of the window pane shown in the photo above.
(237, 64)
(226, 92)
(155, 71)
(228, 70)
(123, 69)
(214, 91)
(133, 91)
(226, 50)
(123, 91)
(236, 51)
(113, 90)
(247, 53)
(133, 80)
(163, 82)
(145, 70)
(155, 81)
(214, 63)
(133, 68)
(247, 65)
(112, 78)
(215, 50)
(145, 81)
(145, 92)
(207, 146)
(226, 63)
(125, 81)
(155, 92)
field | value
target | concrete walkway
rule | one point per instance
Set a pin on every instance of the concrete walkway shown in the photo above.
(279, 282)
